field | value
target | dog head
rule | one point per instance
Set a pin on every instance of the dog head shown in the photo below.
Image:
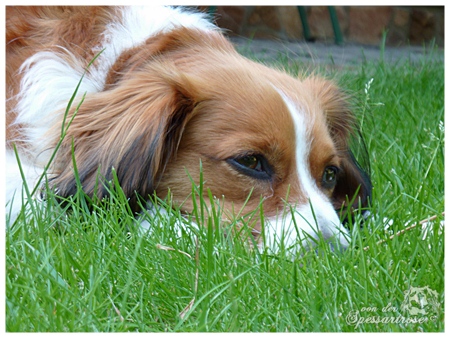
(264, 139)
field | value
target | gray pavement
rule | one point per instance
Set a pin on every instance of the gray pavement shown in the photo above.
(331, 54)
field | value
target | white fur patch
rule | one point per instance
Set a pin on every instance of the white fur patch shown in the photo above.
(15, 192)
(308, 220)
(47, 85)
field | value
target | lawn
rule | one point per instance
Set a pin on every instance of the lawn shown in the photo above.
(97, 271)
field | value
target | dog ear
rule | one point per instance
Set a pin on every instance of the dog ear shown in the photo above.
(353, 188)
(134, 128)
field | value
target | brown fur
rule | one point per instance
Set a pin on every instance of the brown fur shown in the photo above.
(181, 98)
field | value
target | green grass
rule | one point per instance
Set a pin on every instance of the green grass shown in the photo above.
(96, 271)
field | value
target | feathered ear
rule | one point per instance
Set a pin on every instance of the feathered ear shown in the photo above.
(354, 188)
(134, 127)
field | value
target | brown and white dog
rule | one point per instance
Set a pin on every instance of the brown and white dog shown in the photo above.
(167, 92)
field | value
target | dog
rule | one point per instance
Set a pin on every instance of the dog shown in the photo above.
(164, 99)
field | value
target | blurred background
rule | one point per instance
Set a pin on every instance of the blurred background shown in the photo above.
(402, 25)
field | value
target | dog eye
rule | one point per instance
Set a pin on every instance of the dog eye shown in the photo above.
(255, 166)
(329, 177)
(251, 162)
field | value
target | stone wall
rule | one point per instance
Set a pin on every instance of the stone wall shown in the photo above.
(359, 24)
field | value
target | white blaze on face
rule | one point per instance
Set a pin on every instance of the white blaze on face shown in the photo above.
(301, 224)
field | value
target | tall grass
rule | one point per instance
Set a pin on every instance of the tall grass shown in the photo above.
(94, 269)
